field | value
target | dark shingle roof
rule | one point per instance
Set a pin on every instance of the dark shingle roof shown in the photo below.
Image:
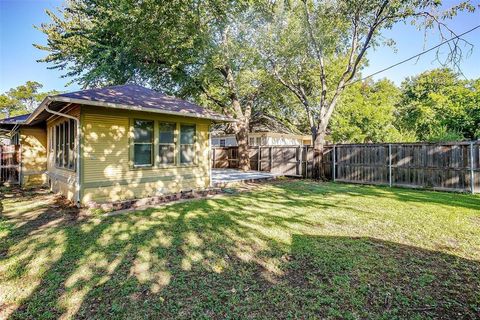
(137, 96)
(16, 119)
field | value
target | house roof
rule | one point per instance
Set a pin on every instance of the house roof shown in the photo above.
(262, 123)
(140, 98)
(126, 97)
(15, 120)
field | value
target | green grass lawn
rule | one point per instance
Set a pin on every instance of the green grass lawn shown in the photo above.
(290, 249)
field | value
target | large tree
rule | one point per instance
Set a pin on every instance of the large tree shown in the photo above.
(315, 49)
(22, 99)
(367, 113)
(195, 49)
(437, 105)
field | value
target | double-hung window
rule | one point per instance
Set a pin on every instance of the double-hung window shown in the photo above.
(143, 143)
(166, 141)
(187, 143)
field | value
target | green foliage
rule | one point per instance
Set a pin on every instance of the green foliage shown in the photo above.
(367, 113)
(443, 134)
(22, 99)
(260, 57)
(438, 105)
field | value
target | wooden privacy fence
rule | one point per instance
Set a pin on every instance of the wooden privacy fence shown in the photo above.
(10, 164)
(446, 166)
(287, 160)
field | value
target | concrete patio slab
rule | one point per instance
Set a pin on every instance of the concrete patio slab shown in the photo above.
(225, 177)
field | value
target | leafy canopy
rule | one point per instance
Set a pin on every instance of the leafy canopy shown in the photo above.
(22, 99)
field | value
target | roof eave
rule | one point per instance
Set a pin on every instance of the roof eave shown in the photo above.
(49, 99)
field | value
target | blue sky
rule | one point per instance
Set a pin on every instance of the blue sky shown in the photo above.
(18, 56)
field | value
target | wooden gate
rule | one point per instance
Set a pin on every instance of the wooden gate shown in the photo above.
(10, 164)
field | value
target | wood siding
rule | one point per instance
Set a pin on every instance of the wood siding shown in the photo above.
(33, 143)
(107, 168)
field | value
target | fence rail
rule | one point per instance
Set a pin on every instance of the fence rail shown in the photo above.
(446, 166)
(10, 164)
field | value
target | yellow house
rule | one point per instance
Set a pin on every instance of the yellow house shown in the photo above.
(115, 143)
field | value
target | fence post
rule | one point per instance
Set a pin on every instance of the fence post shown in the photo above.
(270, 158)
(297, 159)
(259, 158)
(213, 157)
(472, 173)
(334, 163)
(306, 162)
(390, 164)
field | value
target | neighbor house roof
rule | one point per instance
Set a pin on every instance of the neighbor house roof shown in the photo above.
(261, 123)
(127, 97)
(15, 120)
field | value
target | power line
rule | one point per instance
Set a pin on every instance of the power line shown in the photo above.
(417, 55)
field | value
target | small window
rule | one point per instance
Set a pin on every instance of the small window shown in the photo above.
(252, 141)
(66, 138)
(61, 148)
(71, 149)
(222, 142)
(57, 145)
(142, 142)
(187, 144)
(166, 149)
(15, 138)
(258, 141)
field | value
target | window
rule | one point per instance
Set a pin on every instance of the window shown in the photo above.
(58, 149)
(166, 148)
(15, 138)
(65, 130)
(258, 141)
(51, 146)
(71, 149)
(252, 141)
(187, 144)
(142, 142)
(62, 144)
(222, 142)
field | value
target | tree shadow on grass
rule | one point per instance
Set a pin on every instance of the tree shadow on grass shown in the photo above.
(348, 277)
(218, 259)
(448, 199)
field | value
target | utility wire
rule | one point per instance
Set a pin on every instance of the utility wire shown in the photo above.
(417, 55)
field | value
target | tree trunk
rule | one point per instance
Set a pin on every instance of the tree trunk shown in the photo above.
(242, 141)
(318, 150)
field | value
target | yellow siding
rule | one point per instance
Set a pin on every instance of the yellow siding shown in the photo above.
(34, 156)
(107, 172)
(61, 180)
